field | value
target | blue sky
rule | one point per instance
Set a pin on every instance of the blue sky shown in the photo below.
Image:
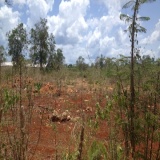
(85, 28)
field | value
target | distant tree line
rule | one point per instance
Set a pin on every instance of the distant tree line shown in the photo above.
(42, 50)
(38, 42)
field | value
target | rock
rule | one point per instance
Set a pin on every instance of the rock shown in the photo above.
(65, 116)
(75, 119)
(54, 118)
(89, 109)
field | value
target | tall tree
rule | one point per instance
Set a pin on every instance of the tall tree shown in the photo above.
(51, 43)
(2, 54)
(17, 40)
(100, 62)
(2, 59)
(80, 63)
(56, 60)
(133, 29)
(59, 58)
(39, 42)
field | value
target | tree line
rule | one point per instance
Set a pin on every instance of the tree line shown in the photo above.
(38, 42)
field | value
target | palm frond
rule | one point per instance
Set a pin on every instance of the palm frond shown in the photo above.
(140, 29)
(143, 18)
(125, 18)
(128, 4)
(146, 1)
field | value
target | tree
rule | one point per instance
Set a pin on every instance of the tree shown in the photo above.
(56, 60)
(80, 63)
(100, 62)
(39, 42)
(50, 63)
(2, 59)
(133, 29)
(17, 39)
(59, 59)
(2, 54)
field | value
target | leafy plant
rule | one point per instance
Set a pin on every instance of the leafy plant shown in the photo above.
(38, 86)
(17, 39)
(133, 29)
(97, 151)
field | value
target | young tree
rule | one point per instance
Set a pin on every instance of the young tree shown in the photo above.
(17, 39)
(39, 42)
(133, 29)
(2, 54)
(2, 58)
(80, 63)
(56, 60)
(51, 43)
(59, 59)
(100, 62)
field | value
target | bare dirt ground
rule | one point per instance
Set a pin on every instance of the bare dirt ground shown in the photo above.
(58, 114)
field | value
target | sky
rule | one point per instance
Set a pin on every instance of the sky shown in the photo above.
(86, 28)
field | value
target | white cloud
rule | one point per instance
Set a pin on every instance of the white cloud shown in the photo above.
(38, 9)
(114, 6)
(1, 1)
(94, 38)
(105, 36)
(75, 30)
(20, 2)
(122, 37)
(150, 52)
(107, 43)
(73, 9)
(9, 20)
(155, 35)
(14, 2)
(72, 52)
(69, 25)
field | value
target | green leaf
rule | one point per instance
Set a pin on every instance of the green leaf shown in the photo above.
(125, 17)
(140, 29)
(128, 4)
(146, 1)
(143, 19)
(97, 151)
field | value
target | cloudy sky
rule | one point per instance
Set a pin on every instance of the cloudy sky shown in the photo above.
(86, 28)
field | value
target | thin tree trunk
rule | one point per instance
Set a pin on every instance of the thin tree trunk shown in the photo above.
(40, 61)
(132, 87)
(1, 111)
(80, 149)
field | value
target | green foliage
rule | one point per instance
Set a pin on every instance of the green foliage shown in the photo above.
(17, 41)
(133, 28)
(129, 4)
(70, 156)
(2, 54)
(97, 151)
(104, 113)
(43, 48)
(9, 99)
(55, 61)
(38, 86)
(120, 152)
(134, 25)
(100, 62)
(80, 63)
(39, 42)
